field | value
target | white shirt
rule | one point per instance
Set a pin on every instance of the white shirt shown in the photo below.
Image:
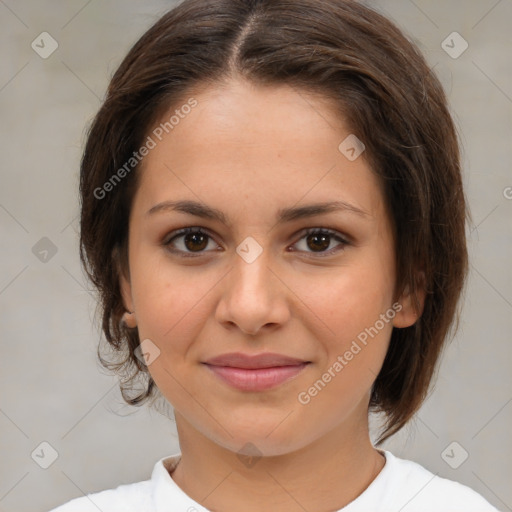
(401, 486)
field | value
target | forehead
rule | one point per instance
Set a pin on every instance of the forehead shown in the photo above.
(257, 147)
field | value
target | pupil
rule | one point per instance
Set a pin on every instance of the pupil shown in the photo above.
(194, 238)
(324, 240)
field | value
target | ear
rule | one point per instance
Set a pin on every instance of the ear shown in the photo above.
(411, 304)
(126, 291)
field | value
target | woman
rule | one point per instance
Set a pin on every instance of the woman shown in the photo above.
(273, 213)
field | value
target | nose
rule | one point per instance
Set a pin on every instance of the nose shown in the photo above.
(254, 297)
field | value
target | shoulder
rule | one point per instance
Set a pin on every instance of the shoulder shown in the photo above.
(422, 490)
(146, 495)
(136, 496)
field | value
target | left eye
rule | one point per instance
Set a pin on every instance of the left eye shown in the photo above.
(195, 240)
(320, 240)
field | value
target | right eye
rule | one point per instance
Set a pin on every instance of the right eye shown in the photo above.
(185, 242)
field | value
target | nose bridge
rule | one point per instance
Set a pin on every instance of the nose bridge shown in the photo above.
(252, 269)
(253, 296)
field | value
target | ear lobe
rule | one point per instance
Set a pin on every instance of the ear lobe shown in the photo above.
(412, 304)
(129, 320)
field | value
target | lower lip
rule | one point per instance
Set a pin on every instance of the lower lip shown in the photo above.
(259, 379)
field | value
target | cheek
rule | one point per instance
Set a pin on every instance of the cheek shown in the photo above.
(346, 301)
(353, 347)
(172, 306)
(171, 302)
(349, 314)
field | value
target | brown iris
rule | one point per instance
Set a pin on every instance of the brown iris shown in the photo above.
(196, 240)
(319, 241)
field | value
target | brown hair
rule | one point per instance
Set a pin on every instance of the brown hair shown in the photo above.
(388, 97)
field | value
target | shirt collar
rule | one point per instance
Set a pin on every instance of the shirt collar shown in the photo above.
(166, 493)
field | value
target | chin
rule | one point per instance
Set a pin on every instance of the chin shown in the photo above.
(262, 441)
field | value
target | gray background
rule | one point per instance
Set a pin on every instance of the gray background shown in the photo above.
(53, 389)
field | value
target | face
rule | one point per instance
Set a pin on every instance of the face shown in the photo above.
(266, 273)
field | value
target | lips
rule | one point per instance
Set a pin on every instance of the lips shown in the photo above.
(255, 372)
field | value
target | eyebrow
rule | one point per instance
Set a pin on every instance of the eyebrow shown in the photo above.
(283, 215)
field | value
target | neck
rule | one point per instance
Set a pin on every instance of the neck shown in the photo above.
(327, 474)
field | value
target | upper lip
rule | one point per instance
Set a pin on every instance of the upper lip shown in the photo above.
(266, 360)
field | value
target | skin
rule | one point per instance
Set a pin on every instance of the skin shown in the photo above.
(249, 151)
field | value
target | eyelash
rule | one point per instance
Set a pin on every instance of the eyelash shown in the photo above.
(312, 231)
